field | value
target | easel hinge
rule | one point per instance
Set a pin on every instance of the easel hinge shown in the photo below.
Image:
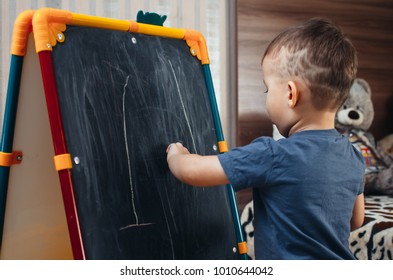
(197, 44)
(48, 27)
(8, 159)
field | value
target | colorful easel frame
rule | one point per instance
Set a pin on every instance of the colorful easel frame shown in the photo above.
(48, 26)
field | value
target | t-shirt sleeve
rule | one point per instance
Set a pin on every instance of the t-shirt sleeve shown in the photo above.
(248, 166)
(361, 162)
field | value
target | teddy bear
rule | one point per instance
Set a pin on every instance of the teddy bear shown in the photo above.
(353, 119)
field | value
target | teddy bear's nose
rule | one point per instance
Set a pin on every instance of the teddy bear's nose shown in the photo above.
(353, 115)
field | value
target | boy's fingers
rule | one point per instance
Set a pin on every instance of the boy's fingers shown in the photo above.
(169, 147)
(179, 145)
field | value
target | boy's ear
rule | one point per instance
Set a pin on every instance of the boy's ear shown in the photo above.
(293, 94)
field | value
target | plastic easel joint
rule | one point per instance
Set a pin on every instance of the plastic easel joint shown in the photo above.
(62, 162)
(197, 44)
(8, 159)
(242, 246)
(222, 146)
(20, 34)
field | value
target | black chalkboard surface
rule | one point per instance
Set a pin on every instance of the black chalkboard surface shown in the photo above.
(124, 97)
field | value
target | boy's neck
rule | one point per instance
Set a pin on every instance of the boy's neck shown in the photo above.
(316, 121)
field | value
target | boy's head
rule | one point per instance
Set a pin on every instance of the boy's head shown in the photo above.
(318, 54)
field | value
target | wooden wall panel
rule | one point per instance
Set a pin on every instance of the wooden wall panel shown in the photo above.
(369, 23)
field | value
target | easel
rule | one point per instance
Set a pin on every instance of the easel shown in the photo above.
(48, 25)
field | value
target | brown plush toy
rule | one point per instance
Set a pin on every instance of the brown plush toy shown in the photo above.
(353, 119)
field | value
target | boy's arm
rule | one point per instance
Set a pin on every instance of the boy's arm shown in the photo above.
(194, 169)
(358, 212)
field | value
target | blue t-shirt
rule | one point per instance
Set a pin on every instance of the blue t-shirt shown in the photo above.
(304, 189)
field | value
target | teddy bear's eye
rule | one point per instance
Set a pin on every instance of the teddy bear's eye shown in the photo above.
(357, 107)
(345, 107)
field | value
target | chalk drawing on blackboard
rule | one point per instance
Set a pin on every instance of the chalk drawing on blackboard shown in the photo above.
(135, 225)
(183, 107)
(128, 154)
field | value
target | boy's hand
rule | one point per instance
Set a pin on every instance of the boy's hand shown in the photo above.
(175, 149)
(194, 169)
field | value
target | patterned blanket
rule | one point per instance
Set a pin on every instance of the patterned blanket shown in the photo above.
(372, 241)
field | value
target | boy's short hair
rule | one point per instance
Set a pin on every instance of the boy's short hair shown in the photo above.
(318, 52)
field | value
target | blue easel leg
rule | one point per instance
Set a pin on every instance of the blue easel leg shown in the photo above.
(7, 138)
(220, 137)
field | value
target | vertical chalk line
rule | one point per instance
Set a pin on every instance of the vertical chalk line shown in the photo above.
(184, 108)
(128, 153)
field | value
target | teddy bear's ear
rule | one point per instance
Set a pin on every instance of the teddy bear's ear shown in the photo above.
(363, 84)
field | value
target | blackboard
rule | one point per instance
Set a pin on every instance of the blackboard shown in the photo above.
(123, 98)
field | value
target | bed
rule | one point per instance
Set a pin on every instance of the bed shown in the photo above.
(372, 241)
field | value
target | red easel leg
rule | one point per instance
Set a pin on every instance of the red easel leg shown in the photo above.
(60, 148)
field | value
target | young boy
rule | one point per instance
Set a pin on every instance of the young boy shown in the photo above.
(307, 188)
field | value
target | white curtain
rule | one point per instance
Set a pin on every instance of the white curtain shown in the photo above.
(208, 16)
